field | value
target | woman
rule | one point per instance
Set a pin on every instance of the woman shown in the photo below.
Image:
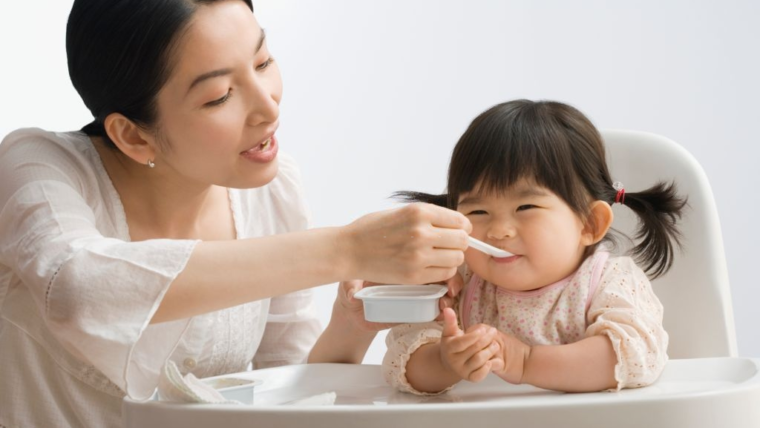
(171, 227)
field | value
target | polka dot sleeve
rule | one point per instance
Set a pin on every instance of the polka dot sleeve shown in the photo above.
(626, 310)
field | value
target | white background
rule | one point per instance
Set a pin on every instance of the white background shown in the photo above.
(377, 93)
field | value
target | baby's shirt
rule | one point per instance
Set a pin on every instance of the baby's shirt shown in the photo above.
(606, 296)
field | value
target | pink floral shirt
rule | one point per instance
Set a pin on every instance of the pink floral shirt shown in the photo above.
(606, 295)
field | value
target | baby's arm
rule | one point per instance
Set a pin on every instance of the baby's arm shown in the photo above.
(625, 344)
(626, 311)
(583, 366)
(458, 355)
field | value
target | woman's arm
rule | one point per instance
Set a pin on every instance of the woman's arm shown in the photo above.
(222, 274)
(348, 336)
(342, 342)
(416, 244)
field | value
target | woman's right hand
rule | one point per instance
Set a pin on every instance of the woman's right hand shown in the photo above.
(416, 244)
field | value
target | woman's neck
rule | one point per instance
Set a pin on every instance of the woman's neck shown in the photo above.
(159, 203)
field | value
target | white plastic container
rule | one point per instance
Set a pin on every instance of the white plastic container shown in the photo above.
(234, 388)
(401, 303)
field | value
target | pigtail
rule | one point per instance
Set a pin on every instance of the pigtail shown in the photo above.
(659, 208)
(408, 196)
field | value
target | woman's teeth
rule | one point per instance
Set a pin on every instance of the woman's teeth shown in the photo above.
(265, 144)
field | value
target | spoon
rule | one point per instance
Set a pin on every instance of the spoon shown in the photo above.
(488, 249)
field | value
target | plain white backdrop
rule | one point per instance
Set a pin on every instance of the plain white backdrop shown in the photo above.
(378, 92)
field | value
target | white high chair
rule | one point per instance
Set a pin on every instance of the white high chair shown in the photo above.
(704, 384)
(695, 292)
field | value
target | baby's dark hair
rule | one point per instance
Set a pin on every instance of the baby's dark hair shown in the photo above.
(556, 146)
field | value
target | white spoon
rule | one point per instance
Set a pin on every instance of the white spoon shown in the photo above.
(488, 249)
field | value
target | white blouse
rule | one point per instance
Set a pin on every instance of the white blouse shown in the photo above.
(77, 296)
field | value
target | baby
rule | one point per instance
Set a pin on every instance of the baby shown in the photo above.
(562, 313)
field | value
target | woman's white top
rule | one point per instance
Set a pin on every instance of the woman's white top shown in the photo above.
(76, 295)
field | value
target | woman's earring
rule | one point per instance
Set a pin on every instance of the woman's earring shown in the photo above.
(151, 164)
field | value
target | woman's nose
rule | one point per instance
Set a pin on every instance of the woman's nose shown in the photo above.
(264, 100)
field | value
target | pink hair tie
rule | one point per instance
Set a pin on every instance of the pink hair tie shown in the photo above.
(620, 196)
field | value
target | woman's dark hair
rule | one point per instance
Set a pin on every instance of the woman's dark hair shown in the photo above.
(556, 146)
(119, 55)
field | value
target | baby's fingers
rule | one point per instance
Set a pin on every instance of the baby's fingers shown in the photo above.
(450, 327)
(469, 343)
(482, 355)
(481, 373)
(474, 340)
(484, 362)
(497, 365)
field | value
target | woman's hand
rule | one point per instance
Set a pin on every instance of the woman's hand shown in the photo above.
(351, 310)
(455, 284)
(415, 244)
(472, 354)
(348, 335)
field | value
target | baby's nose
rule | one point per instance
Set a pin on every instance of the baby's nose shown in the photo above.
(501, 230)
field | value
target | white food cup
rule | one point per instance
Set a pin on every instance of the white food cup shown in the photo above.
(401, 303)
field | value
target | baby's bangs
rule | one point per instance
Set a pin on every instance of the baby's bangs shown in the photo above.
(506, 145)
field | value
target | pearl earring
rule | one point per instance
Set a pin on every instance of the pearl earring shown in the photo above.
(151, 164)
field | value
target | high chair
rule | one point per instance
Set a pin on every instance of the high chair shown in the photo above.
(695, 292)
(704, 384)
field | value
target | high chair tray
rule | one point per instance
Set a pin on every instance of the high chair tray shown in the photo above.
(707, 392)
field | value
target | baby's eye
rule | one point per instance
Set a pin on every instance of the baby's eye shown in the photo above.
(525, 207)
(477, 212)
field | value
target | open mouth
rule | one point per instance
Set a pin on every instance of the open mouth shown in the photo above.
(261, 147)
(265, 151)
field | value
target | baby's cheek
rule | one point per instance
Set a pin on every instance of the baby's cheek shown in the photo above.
(476, 261)
(472, 257)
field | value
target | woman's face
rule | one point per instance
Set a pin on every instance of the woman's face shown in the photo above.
(219, 110)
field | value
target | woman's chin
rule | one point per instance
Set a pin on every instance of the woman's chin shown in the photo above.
(259, 178)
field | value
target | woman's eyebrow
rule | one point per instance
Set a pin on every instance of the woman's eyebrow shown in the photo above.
(224, 71)
(209, 75)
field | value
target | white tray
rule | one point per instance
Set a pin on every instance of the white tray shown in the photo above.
(690, 393)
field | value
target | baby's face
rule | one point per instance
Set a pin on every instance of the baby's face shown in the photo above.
(532, 223)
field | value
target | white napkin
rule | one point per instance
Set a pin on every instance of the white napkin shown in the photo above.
(174, 388)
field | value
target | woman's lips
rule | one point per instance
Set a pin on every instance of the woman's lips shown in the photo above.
(264, 152)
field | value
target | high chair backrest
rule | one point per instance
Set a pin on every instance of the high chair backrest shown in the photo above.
(695, 292)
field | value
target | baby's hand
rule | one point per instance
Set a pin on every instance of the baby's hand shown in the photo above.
(513, 354)
(469, 354)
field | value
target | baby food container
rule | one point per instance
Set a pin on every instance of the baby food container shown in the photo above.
(401, 303)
